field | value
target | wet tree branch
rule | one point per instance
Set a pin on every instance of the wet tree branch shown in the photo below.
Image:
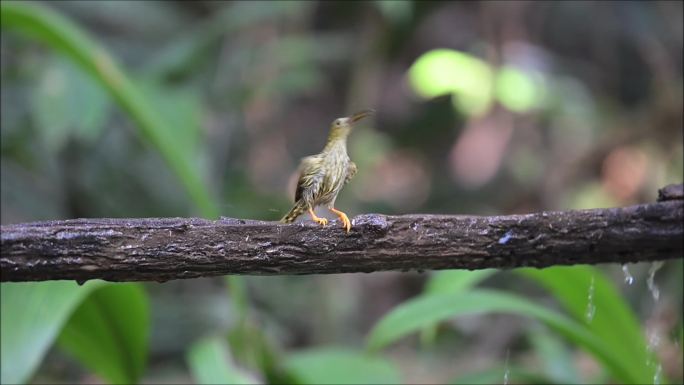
(160, 249)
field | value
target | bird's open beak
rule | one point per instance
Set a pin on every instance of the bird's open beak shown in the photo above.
(360, 115)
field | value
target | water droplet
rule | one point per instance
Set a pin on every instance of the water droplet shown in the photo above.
(507, 371)
(591, 308)
(653, 333)
(655, 266)
(628, 277)
(653, 342)
(507, 237)
(656, 375)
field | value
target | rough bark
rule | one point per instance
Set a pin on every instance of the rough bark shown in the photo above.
(160, 249)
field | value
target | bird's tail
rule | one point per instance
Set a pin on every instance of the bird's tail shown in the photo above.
(298, 209)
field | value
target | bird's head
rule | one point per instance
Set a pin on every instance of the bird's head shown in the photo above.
(341, 127)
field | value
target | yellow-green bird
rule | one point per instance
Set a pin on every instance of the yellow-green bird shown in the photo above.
(322, 176)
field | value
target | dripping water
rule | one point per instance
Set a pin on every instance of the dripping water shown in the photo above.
(655, 266)
(507, 371)
(653, 334)
(656, 375)
(628, 276)
(653, 342)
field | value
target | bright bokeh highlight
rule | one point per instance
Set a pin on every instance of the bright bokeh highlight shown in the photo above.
(473, 82)
(516, 89)
(444, 71)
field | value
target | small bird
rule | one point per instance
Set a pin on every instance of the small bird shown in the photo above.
(322, 176)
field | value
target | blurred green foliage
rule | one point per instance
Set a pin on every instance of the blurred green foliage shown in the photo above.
(108, 333)
(624, 336)
(32, 316)
(172, 144)
(422, 311)
(114, 109)
(210, 363)
(340, 366)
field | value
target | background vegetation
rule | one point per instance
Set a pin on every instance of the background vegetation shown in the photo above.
(203, 108)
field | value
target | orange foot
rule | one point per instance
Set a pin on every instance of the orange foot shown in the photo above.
(319, 220)
(343, 217)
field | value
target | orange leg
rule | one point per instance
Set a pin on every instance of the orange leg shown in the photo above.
(343, 217)
(317, 219)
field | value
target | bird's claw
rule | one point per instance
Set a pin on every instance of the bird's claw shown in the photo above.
(346, 224)
(317, 219)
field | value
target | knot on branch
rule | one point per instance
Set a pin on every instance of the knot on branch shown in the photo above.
(671, 192)
(376, 223)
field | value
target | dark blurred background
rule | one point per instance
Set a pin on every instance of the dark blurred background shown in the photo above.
(482, 108)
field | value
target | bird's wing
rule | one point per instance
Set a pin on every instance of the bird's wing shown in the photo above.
(351, 171)
(309, 178)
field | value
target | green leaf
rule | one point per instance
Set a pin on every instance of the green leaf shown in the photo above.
(210, 362)
(108, 332)
(340, 366)
(237, 291)
(62, 35)
(425, 310)
(181, 108)
(32, 316)
(68, 103)
(614, 321)
(455, 281)
(450, 281)
(253, 350)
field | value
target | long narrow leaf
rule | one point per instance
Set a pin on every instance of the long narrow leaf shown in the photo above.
(450, 281)
(340, 366)
(62, 35)
(32, 316)
(210, 363)
(108, 333)
(613, 320)
(455, 281)
(424, 310)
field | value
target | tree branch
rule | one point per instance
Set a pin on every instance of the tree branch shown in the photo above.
(159, 249)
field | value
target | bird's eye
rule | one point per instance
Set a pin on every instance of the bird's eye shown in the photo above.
(337, 123)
